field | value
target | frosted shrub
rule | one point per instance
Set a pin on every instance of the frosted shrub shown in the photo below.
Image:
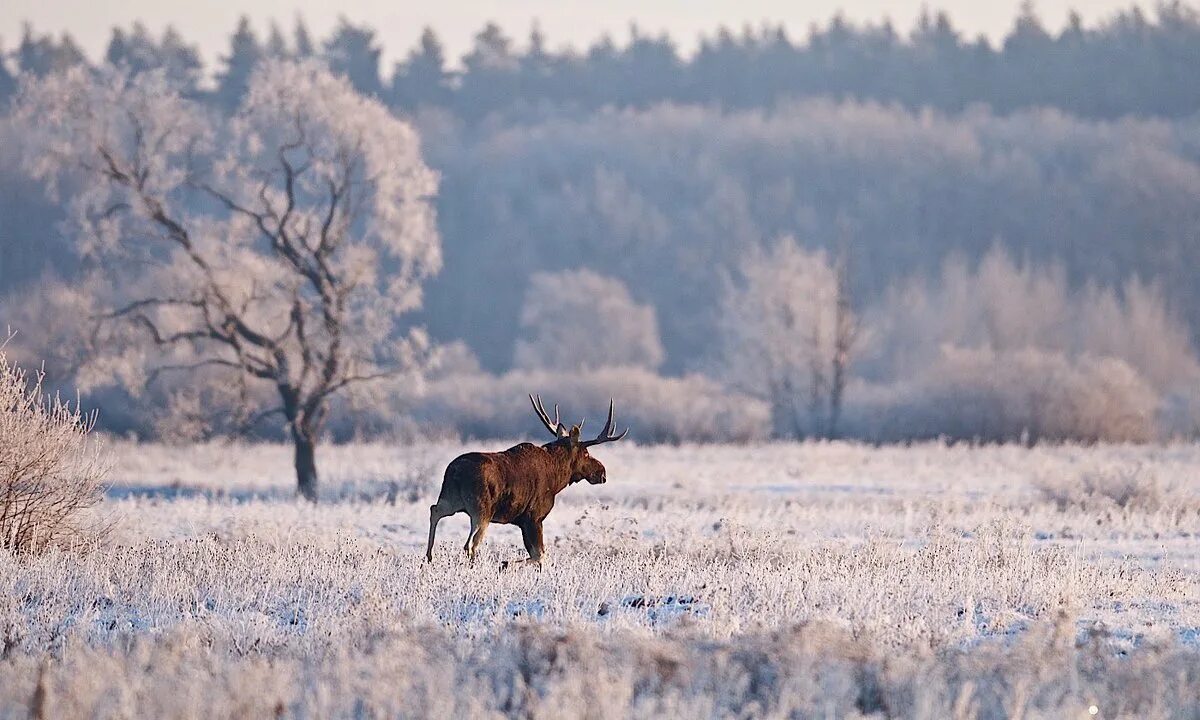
(577, 319)
(50, 470)
(996, 396)
(1127, 488)
(786, 334)
(1005, 351)
(659, 409)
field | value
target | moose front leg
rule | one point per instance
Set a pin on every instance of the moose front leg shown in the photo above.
(535, 552)
(479, 526)
(531, 534)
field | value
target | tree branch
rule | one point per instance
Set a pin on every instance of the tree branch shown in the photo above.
(208, 362)
(248, 424)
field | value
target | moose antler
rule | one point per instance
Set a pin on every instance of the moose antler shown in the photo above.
(606, 435)
(556, 428)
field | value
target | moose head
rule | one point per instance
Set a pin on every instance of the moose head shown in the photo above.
(583, 465)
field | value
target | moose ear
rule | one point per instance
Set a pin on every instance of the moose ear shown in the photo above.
(575, 433)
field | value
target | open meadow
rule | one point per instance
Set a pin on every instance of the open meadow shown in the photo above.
(897, 303)
(777, 580)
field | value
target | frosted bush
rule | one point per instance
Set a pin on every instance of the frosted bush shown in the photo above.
(1026, 394)
(786, 334)
(578, 319)
(659, 409)
(1005, 351)
(51, 471)
(1123, 488)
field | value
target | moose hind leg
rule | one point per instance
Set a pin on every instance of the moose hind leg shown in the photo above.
(436, 513)
(527, 535)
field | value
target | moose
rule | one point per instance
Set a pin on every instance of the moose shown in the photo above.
(518, 486)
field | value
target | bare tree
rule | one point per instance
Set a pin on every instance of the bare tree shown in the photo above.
(274, 249)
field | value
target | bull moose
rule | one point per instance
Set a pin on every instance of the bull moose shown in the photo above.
(518, 486)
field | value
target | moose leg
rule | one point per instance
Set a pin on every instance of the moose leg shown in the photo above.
(528, 535)
(531, 534)
(535, 555)
(435, 516)
(471, 535)
(477, 536)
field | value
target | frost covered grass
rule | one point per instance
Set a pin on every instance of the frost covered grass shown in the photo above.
(816, 579)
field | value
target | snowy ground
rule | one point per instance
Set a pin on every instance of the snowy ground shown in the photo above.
(934, 570)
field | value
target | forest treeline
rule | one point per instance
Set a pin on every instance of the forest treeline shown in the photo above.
(1130, 64)
(605, 201)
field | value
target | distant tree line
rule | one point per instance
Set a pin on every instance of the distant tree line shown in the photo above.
(850, 236)
(669, 199)
(1131, 64)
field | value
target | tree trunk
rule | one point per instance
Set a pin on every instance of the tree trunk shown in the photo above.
(835, 399)
(304, 440)
(306, 463)
(785, 413)
(845, 337)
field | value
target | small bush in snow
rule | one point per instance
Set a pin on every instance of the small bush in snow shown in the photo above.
(50, 470)
(1126, 488)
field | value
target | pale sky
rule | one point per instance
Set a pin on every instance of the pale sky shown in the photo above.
(399, 23)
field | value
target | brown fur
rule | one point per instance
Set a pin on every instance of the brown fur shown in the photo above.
(514, 487)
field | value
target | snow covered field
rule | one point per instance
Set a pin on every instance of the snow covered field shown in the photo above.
(822, 580)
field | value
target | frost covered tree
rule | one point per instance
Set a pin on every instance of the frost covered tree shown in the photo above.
(787, 335)
(276, 46)
(1006, 306)
(578, 320)
(277, 248)
(490, 73)
(302, 40)
(1005, 350)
